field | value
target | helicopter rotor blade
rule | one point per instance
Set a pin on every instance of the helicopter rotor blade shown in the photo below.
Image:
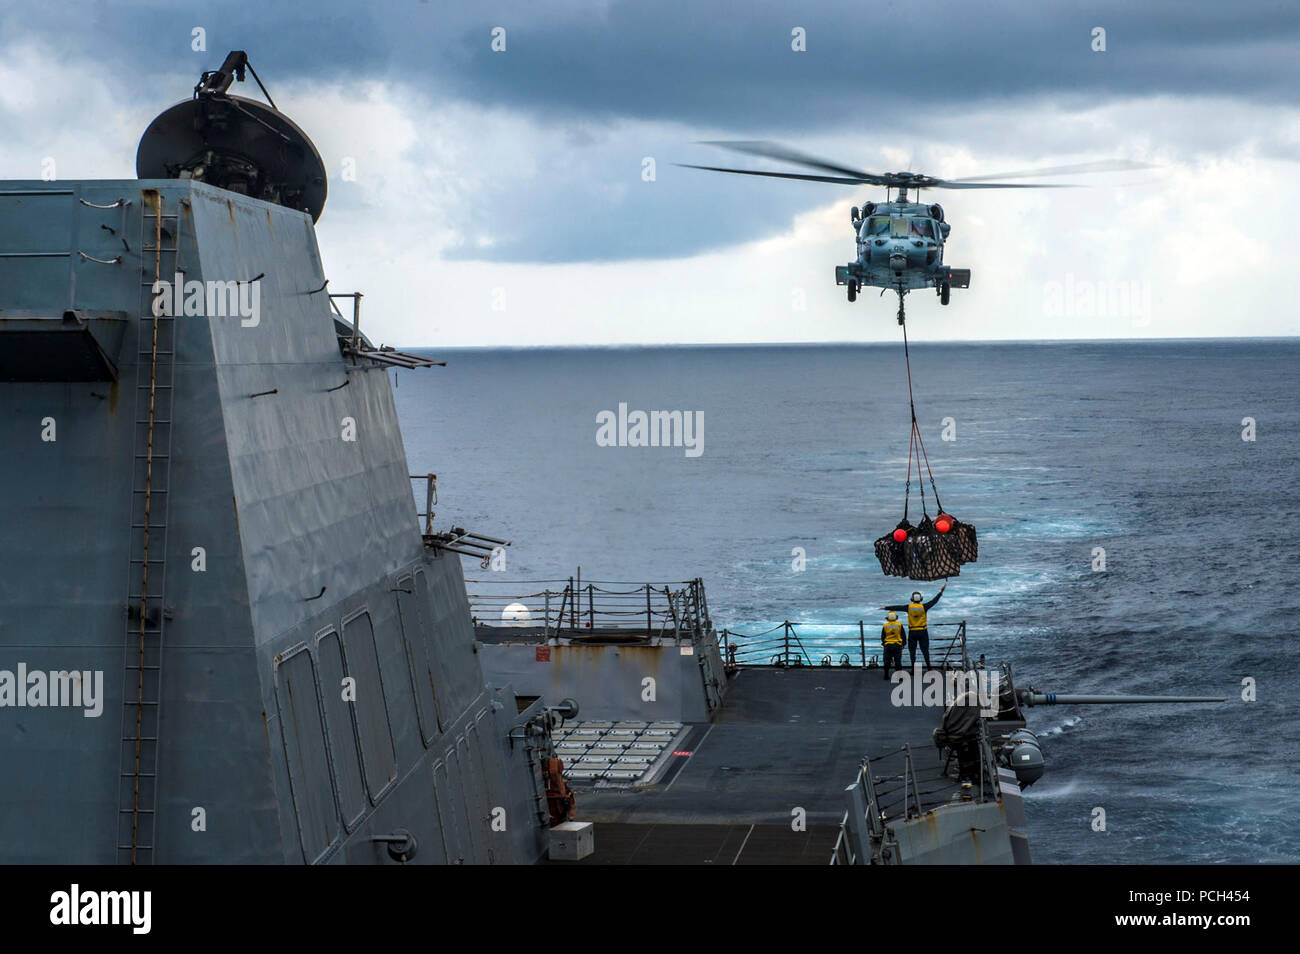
(909, 180)
(780, 175)
(774, 150)
(959, 184)
(1103, 165)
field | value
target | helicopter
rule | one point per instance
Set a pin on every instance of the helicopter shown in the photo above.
(900, 241)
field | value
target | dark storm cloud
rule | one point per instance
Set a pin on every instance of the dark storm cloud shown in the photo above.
(881, 71)
(725, 65)
(731, 65)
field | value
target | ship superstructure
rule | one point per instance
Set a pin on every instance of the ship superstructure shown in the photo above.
(210, 541)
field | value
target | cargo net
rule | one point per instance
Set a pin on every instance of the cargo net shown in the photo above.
(926, 553)
(932, 549)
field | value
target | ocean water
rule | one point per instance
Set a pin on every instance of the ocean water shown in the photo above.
(1060, 448)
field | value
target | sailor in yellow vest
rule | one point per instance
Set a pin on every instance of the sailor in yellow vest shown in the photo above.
(892, 636)
(917, 631)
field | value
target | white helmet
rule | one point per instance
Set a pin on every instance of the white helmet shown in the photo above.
(916, 596)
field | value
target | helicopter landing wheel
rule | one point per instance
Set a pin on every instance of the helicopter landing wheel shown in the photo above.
(853, 290)
(944, 292)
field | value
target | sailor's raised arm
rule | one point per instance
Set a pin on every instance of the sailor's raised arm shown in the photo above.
(936, 597)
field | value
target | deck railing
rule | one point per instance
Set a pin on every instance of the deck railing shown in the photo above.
(573, 607)
(845, 645)
(898, 786)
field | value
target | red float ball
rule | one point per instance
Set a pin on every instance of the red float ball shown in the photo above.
(943, 524)
(900, 534)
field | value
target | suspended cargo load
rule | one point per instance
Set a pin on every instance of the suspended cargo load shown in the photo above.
(933, 549)
(928, 555)
(961, 540)
(924, 552)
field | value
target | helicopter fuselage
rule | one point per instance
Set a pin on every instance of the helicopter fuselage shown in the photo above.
(900, 243)
(900, 247)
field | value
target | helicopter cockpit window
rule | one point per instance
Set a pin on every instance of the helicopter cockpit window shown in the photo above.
(877, 225)
(922, 228)
(900, 229)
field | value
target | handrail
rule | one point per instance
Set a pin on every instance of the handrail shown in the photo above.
(876, 800)
(662, 611)
(783, 645)
(430, 498)
(356, 313)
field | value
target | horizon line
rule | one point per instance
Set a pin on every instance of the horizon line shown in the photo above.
(842, 343)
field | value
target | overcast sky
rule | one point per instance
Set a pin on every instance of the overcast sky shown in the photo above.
(499, 197)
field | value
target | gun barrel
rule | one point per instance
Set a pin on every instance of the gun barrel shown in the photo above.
(1062, 699)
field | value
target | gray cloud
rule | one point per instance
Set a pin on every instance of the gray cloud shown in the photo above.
(635, 79)
(724, 64)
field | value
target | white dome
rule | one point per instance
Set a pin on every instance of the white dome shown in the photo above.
(516, 614)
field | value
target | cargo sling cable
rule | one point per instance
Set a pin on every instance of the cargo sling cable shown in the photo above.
(916, 443)
(933, 548)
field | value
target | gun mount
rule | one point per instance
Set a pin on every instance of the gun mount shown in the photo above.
(1021, 751)
(1030, 697)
